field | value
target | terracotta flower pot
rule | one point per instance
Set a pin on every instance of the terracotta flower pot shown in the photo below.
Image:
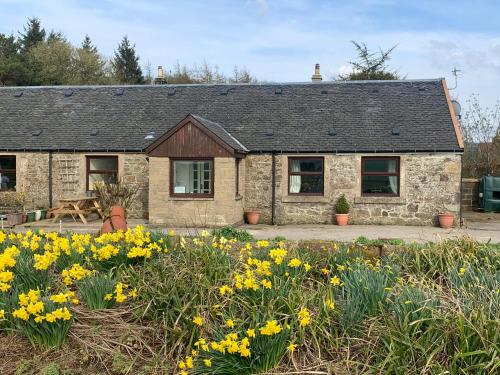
(252, 217)
(14, 219)
(342, 219)
(116, 221)
(446, 220)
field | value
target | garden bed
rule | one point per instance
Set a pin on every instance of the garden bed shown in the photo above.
(155, 303)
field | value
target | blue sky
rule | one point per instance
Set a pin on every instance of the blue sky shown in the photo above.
(281, 40)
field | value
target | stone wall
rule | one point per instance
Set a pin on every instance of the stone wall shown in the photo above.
(470, 194)
(428, 183)
(258, 185)
(32, 178)
(69, 177)
(223, 209)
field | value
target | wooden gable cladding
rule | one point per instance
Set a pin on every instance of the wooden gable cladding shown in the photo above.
(190, 139)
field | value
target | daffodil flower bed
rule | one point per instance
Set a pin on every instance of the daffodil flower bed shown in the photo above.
(218, 306)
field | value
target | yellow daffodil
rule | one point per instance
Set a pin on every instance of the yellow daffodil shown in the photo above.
(198, 320)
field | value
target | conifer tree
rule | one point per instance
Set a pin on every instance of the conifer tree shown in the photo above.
(33, 34)
(126, 68)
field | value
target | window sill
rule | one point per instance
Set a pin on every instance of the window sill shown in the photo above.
(380, 200)
(305, 199)
(191, 199)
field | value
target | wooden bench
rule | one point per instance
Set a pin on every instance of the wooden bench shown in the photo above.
(81, 207)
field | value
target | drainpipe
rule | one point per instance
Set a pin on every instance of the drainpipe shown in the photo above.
(461, 189)
(273, 190)
(50, 179)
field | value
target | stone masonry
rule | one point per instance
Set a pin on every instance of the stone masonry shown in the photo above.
(429, 183)
(69, 177)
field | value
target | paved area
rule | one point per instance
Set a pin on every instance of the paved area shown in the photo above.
(481, 231)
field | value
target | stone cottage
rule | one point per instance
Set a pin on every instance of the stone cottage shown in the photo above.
(204, 154)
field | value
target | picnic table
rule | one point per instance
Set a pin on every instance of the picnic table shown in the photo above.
(80, 207)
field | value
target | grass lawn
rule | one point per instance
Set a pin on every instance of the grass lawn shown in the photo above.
(148, 303)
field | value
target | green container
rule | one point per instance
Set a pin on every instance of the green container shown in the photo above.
(31, 216)
(489, 193)
(43, 214)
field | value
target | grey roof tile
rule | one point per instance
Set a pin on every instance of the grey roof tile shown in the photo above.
(362, 113)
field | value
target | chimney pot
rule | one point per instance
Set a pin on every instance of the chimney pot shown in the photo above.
(316, 77)
(160, 71)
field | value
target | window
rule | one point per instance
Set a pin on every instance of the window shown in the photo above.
(7, 173)
(237, 166)
(192, 178)
(380, 176)
(101, 169)
(305, 176)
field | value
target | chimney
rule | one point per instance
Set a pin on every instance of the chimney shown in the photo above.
(316, 77)
(160, 78)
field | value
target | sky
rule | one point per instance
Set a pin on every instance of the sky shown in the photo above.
(281, 40)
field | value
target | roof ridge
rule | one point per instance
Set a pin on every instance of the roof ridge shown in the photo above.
(335, 82)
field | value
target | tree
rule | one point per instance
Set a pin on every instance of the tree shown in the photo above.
(34, 33)
(87, 45)
(90, 66)
(481, 132)
(370, 66)
(56, 36)
(125, 64)
(54, 62)
(241, 76)
(12, 69)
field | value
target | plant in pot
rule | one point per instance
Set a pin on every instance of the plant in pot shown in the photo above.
(115, 199)
(342, 210)
(16, 202)
(252, 217)
(445, 219)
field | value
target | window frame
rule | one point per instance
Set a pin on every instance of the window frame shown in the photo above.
(88, 172)
(322, 174)
(192, 195)
(397, 173)
(10, 170)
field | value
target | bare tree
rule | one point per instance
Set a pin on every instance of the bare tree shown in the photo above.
(481, 131)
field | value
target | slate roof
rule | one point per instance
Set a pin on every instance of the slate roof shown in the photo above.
(222, 133)
(356, 116)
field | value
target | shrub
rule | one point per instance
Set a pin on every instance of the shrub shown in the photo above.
(341, 205)
(230, 232)
(118, 193)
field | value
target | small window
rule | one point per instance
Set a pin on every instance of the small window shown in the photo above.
(380, 176)
(101, 169)
(192, 178)
(7, 173)
(305, 176)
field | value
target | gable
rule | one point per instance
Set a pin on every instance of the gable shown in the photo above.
(188, 140)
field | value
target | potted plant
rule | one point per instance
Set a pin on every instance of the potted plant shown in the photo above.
(446, 219)
(342, 210)
(16, 202)
(252, 217)
(115, 199)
